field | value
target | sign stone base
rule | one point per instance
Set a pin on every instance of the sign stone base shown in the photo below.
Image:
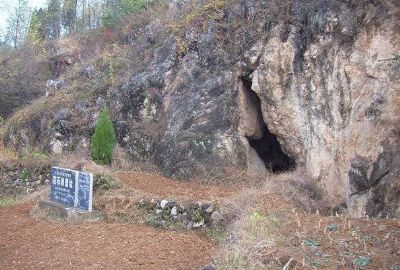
(70, 215)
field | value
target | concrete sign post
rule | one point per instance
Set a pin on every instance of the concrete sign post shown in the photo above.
(72, 188)
(63, 186)
(85, 191)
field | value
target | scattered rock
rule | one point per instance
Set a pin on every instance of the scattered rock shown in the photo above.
(181, 208)
(88, 71)
(199, 205)
(153, 203)
(164, 204)
(192, 206)
(208, 267)
(82, 106)
(205, 205)
(92, 220)
(55, 84)
(217, 217)
(189, 225)
(63, 114)
(210, 209)
(171, 213)
(198, 224)
(100, 102)
(232, 239)
(141, 202)
(174, 211)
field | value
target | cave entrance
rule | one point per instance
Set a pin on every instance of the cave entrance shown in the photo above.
(265, 152)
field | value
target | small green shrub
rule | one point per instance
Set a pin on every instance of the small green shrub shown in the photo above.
(152, 221)
(39, 155)
(312, 243)
(24, 175)
(218, 234)
(362, 261)
(103, 139)
(332, 227)
(4, 202)
(104, 182)
(255, 217)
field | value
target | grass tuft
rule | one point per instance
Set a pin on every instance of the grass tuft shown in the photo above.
(4, 202)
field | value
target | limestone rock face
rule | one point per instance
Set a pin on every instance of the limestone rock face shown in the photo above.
(337, 110)
(324, 86)
(200, 128)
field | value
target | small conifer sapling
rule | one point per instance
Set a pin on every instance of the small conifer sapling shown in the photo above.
(103, 139)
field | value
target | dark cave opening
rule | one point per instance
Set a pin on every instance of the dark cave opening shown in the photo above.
(265, 143)
(270, 151)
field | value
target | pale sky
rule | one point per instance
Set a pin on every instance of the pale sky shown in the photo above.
(6, 6)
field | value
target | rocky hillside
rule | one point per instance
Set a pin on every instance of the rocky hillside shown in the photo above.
(212, 87)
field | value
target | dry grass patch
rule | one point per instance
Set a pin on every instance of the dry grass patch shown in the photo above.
(6, 201)
(6, 153)
(198, 15)
(120, 206)
(39, 108)
(273, 231)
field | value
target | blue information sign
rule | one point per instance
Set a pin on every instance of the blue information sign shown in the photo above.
(63, 186)
(85, 190)
(72, 188)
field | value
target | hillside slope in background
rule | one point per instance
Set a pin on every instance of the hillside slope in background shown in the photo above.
(210, 88)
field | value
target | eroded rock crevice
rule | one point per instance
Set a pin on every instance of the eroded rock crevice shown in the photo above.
(265, 152)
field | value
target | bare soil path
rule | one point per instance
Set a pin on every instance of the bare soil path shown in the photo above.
(161, 186)
(28, 243)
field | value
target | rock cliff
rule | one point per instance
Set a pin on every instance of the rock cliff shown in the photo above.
(257, 86)
(330, 93)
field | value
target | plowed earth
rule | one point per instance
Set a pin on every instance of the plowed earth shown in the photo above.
(164, 187)
(28, 243)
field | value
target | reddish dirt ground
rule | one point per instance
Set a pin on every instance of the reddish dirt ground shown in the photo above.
(160, 186)
(26, 243)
